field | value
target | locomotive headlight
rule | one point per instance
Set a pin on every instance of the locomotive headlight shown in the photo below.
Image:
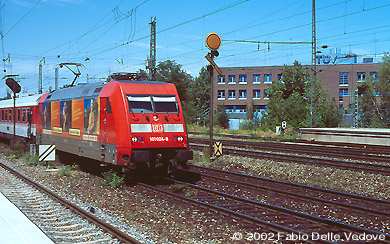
(137, 139)
(179, 138)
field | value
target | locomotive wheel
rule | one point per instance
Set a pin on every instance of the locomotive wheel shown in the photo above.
(171, 168)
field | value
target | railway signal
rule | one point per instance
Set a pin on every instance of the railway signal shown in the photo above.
(213, 42)
(15, 87)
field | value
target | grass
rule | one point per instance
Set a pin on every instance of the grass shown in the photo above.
(181, 188)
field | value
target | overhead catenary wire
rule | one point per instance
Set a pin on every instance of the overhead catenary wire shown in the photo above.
(235, 52)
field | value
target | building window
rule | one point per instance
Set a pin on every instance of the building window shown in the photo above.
(361, 76)
(240, 109)
(232, 79)
(242, 79)
(343, 78)
(256, 78)
(229, 109)
(267, 78)
(260, 108)
(342, 93)
(221, 95)
(232, 94)
(221, 79)
(280, 77)
(374, 76)
(266, 94)
(256, 94)
(242, 94)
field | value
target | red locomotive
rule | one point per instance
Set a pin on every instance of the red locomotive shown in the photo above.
(125, 122)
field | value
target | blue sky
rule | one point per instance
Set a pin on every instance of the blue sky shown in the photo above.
(114, 35)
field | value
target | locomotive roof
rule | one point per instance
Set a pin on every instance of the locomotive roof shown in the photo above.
(76, 92)
(29, 100)
(89, 90)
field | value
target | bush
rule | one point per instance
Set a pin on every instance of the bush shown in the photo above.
(112, 179)
(65, 170)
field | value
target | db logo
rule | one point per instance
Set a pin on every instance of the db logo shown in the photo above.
(157, 128)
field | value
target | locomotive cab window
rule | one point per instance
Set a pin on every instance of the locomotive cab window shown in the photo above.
(140, 104)
(165, 104)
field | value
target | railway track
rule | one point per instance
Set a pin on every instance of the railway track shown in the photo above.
(325, 162)
(325, 203)
(61, 220)
(270, 222)
(324, 151)
(352, 147)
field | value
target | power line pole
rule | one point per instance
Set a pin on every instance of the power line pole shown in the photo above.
(313, 62)
(40, 79)
(151, 64)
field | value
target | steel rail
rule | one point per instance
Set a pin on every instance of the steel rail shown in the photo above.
(260, 185)
(326, 151)
(348, 165)
(318, 221)
(369, 148)
(116, 233)
(246, 218)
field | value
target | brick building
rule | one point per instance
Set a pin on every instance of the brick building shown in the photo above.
(239, 87)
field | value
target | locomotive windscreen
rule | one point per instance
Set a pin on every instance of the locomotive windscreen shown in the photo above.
(152, 103)
(140, 104)
(165, 104)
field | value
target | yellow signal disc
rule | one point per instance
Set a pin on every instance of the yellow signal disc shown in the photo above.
(213, 41)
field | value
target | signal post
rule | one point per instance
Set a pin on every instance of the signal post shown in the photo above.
(213, 42)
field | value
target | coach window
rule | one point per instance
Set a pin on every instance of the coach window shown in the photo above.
(2, 114)
(29, 116)
(5, 114)
(19, 114)
(10, 115)
(23, 114)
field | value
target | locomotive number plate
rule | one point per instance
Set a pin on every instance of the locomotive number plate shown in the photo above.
(157, 128)
(158, 138)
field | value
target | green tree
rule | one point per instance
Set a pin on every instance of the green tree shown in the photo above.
(383, 86)
(171, 72)
(222, 118)
(325, 110)
(199, 90)
(294, 108)
(290, 101)
(367, 104)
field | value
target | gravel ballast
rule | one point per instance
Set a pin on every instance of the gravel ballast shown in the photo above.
(158, 219)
